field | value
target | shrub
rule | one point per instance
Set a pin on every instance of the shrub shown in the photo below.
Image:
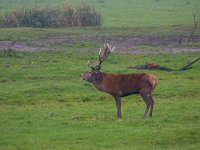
(8, 53)
(66, 16)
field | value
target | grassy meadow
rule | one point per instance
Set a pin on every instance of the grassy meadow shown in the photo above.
(45, 105)
(126, 13)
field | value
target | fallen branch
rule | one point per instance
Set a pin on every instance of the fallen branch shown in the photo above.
(151, 66)
(154, 66)
(190, 64)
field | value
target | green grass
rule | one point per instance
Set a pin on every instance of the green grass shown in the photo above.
(45, 105)
(92, 126)
(126, 13)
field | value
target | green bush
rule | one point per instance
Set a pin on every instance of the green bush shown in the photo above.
(66, 16)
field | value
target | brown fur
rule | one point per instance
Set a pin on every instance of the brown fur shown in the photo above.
(120, 85)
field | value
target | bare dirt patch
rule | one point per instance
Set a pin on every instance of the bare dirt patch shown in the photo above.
(20, 46)
(125, 44)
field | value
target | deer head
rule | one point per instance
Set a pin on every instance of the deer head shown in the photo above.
(93, 73)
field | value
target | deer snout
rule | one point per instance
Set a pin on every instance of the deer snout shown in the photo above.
(82, 76)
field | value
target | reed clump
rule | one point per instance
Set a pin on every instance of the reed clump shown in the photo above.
(51, 17)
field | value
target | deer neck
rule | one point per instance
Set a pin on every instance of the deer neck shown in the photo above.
(98, 81)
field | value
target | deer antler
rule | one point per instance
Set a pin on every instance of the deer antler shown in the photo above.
(103, 55)
(89, 64)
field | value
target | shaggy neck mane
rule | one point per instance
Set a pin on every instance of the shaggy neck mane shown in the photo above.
(98, 78)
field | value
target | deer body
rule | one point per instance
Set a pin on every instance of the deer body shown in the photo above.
(124, 84)
(120, 85)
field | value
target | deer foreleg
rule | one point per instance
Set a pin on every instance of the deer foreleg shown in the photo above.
(118, 107)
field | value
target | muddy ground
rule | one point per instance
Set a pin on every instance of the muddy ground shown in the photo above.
(126, 44)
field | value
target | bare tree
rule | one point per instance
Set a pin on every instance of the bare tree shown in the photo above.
(195, 24)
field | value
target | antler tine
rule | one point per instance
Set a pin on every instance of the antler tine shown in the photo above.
(112, 49)
(100, 51)
(108, 50)
(104, 54)
(89, 64)
(108, 45)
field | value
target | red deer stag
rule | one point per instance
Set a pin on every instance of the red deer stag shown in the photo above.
(120, 85)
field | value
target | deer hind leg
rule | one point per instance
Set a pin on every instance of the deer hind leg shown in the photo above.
(147, 100)
(152, 104)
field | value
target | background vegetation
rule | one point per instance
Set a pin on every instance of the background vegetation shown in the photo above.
(45, 105)
(67, 16)
(126, 13)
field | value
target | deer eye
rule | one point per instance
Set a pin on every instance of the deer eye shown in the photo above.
(95, 72)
